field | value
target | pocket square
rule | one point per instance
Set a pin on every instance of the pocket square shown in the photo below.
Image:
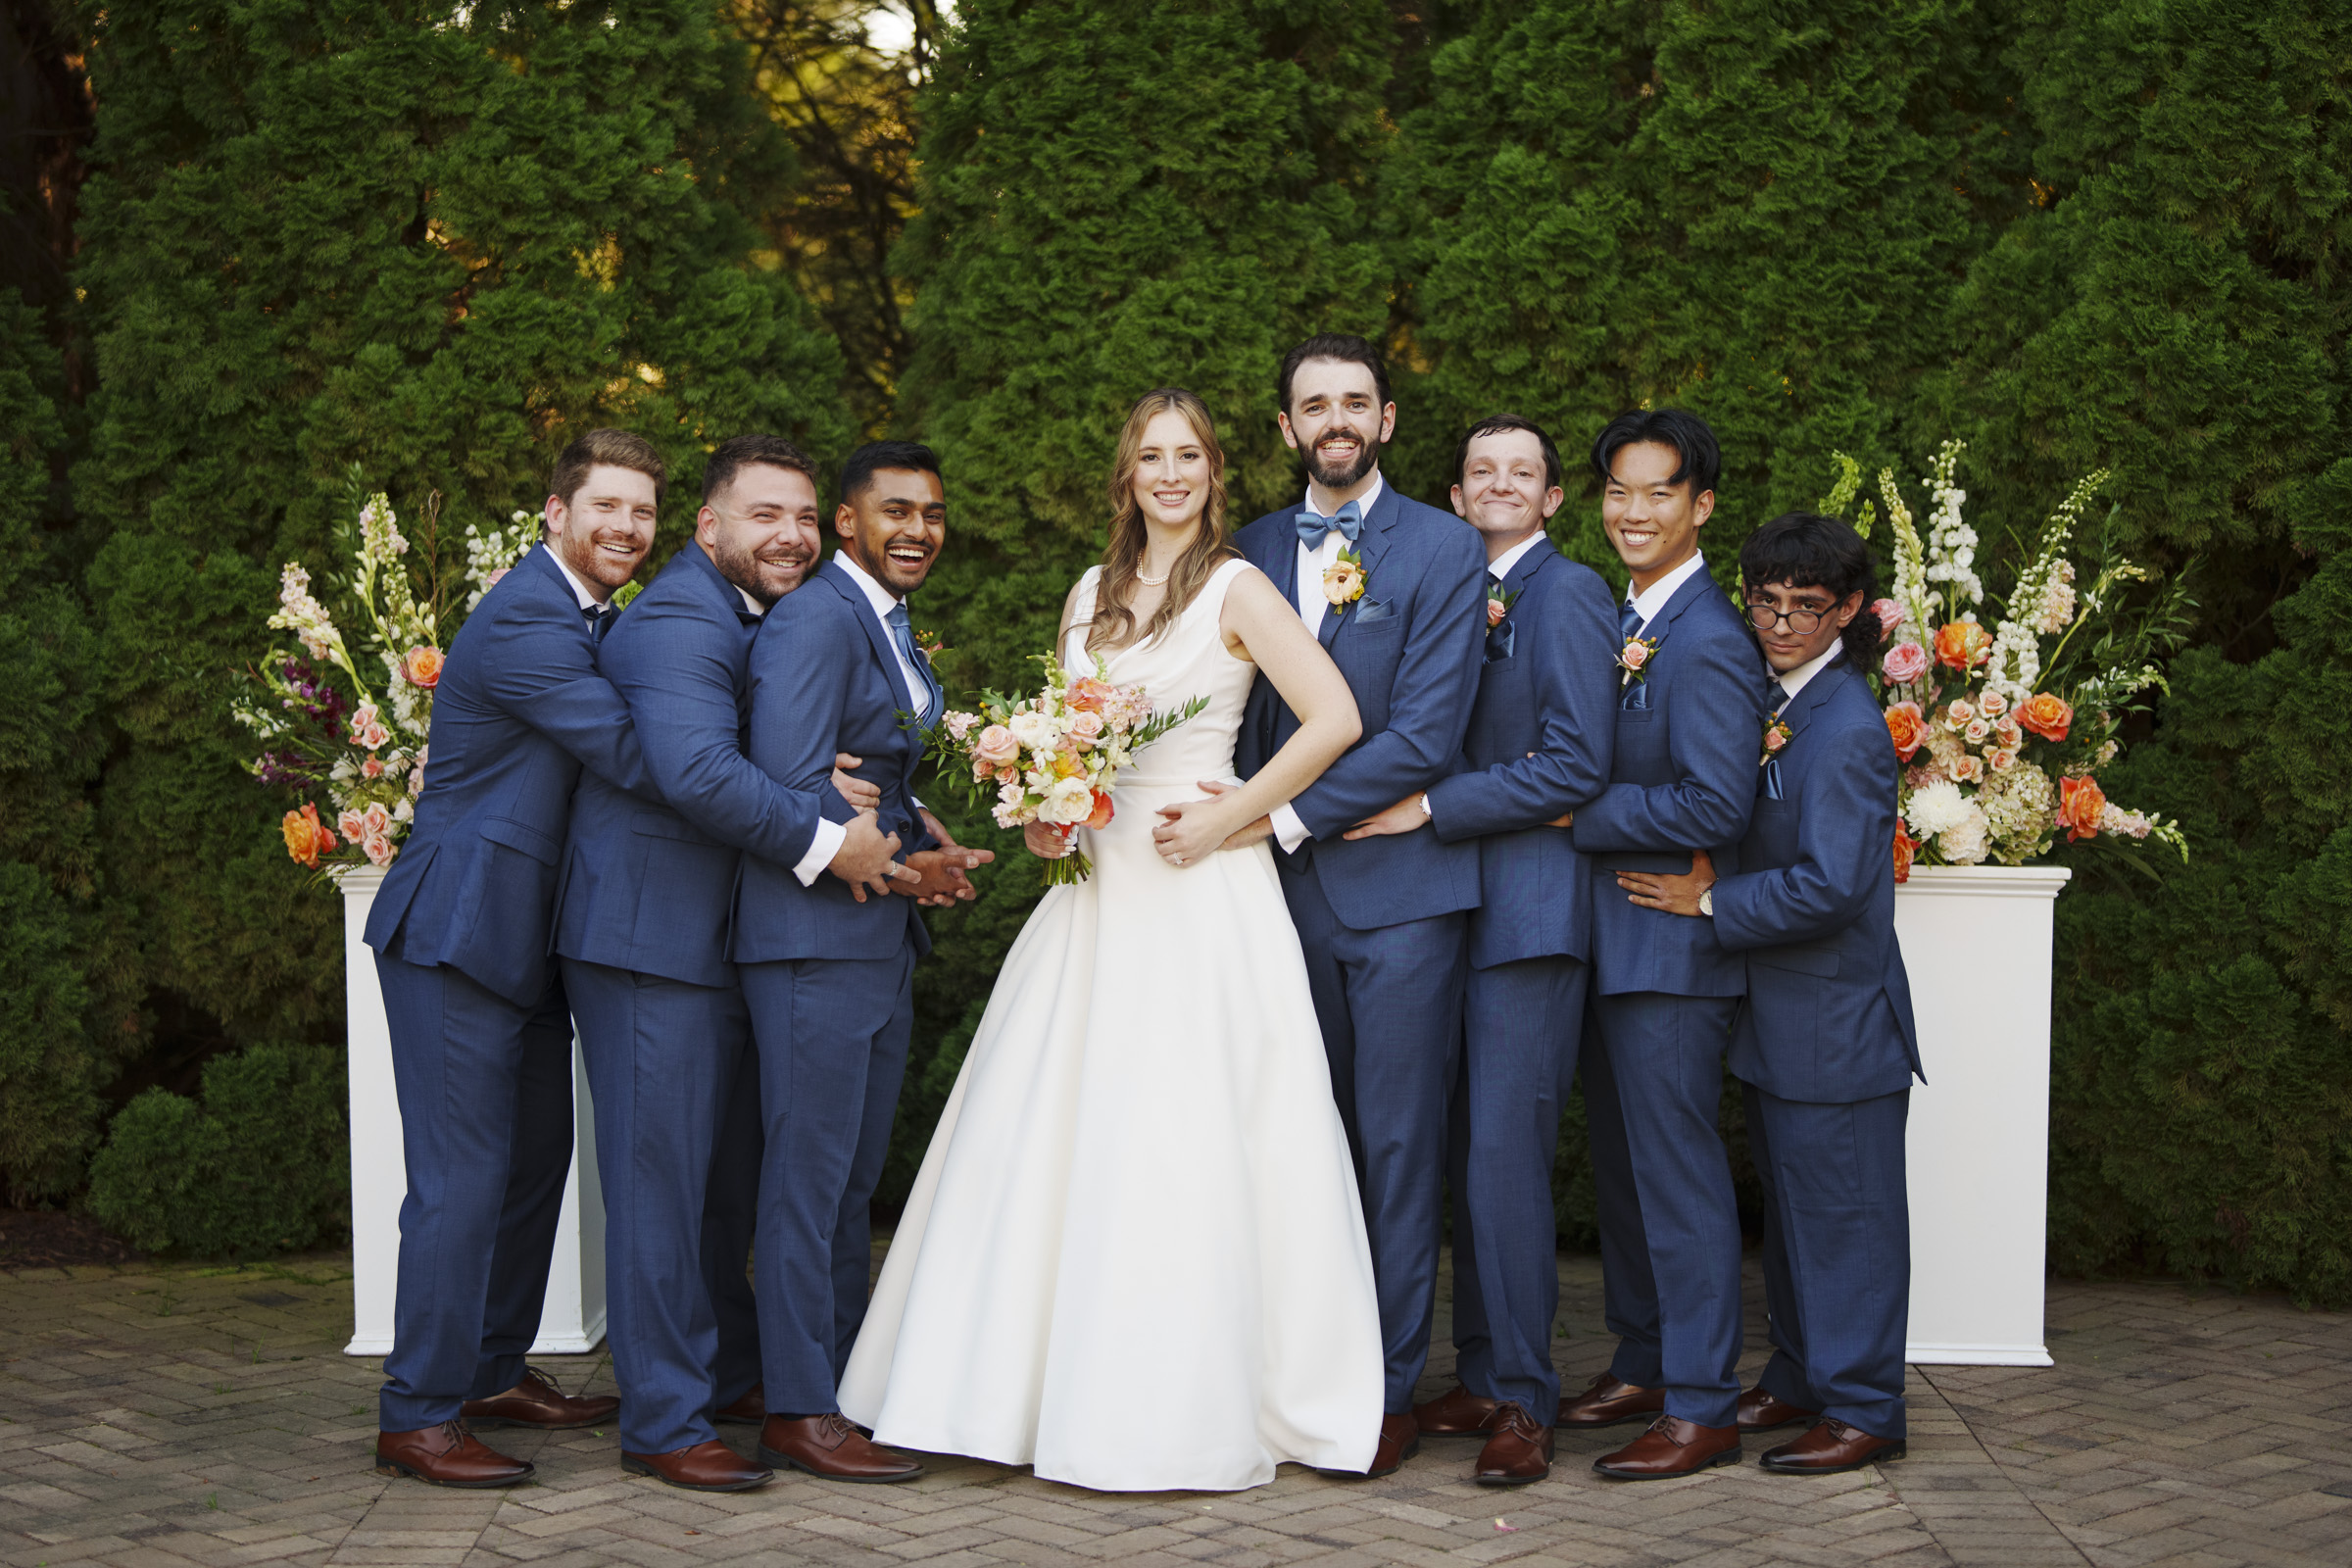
(1772, 779)
(1375, 609)
(1637, 696)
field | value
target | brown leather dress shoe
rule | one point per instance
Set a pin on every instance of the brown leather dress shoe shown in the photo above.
(1672, 1447)
(1831, 1448)
(537, 1403)
(828, 1445)
(747, 1412)
(1456, 1412)
(1608, 1402)
(1400, 1440)
(1519, 1452)
(710, 1466)
(1761, 1412)
(446, 1456)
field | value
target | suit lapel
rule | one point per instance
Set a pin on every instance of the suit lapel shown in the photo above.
(1370, 547)
(1524, 571)
(872, 625)
(1800, 711)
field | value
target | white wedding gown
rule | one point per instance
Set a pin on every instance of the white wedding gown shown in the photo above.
(1134, 1256)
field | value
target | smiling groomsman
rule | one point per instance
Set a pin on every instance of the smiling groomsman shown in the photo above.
(648, 890)
(1392, 589)
(481, 1038)
(1683, 781)
(1826, 1049)
(1541, 736)
(828, 967)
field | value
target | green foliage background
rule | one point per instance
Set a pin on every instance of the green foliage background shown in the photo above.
(2079, 233)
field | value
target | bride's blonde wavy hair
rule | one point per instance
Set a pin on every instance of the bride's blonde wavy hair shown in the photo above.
(1123, 558)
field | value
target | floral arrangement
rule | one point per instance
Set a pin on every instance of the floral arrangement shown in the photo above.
(1056, 757)
(2003, 730)
(346, 727)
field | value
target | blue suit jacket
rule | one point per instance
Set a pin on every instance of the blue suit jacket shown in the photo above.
(1684, 778)
(1410, 651)
(1828, 1005)
(649, 883)
(1548, 687)
(520, 710)
(824, 678)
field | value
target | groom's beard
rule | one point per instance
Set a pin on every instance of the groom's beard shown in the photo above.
(1341, 476)
(765, 578)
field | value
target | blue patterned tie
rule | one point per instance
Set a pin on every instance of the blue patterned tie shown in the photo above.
(1313, 525)
(1776, 695)
(932, 699)
(1629, 620)
(600, 617)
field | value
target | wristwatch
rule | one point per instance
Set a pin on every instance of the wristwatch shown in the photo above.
(1707, 903)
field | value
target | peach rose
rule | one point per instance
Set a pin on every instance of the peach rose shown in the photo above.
(1496, 610)
(307, 838)
(1976, 731)
(1086, 728)
(1635, 655)
(1102, 811)
(1909, 729)
(374, 768)
(350, 826)
(2080, 802)
(1906, 845)
(416, 773)
(423, 666)
(995, 745)
(1967, 769)
(2001, 761)
(2009, 734)
(1962, 645)
(1889, 613)
(380, 850)
(375, 819)
(1090, 695)
(1904, 662)
(1342, 582)
(1992, 704)
(1959, 714)
(2047, 715)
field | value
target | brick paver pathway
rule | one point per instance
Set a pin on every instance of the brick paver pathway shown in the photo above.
(153, 1416)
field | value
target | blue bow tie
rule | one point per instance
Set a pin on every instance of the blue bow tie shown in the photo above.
(1313, 526)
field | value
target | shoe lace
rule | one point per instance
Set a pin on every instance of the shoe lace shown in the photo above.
(545, 1380)
(837, 1426)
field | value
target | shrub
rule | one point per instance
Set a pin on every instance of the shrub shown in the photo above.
(262, 1165)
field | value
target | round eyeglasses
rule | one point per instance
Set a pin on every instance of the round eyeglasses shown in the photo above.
(1803, 622)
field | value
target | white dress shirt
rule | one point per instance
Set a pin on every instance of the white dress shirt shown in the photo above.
(829, 835)
(580, 589)
(1797, 679)
(1501, 566)
(1649, 601)
(1289, 831)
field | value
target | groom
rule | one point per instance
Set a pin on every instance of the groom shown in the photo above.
(828, 970)
(1392, 590)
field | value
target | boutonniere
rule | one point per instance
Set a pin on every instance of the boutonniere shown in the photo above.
(1498, 603)
(929, 643)
(1776, 736)
(1634, 659)
(1345, 579)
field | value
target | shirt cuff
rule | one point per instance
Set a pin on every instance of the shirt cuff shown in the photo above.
(1289, 831)
(821, 849)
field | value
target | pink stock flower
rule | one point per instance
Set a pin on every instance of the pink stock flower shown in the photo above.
(1904, 664)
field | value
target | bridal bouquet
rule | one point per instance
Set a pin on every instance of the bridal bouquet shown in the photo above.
(2003, 730)
(1054, 756)
(344, 718)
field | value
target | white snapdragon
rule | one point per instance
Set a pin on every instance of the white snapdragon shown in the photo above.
(1951, 542)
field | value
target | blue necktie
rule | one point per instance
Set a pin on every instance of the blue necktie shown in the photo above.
(933, 699)
(600, 616)
(1313, 525)
(1629, 620)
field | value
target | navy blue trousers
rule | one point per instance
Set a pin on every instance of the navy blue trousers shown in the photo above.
(1837, 1253)
(1520, 1027)
(832, 1035)
(1669, 1223)
(667, 1064)
(1389, 1004)
(485, 1115)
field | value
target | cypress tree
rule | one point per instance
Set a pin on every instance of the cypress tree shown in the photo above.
(431, 242)
(2176, 309)
(1114, 198)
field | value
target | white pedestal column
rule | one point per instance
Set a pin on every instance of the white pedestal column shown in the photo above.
(1977, 942)
(573, 1318)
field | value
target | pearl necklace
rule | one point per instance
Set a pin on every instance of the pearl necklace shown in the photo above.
(1159, 581)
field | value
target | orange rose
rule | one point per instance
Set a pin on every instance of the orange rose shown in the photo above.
(307, 838)
(1102, 817)
(1962, 645)
(2047, 715)
(1088, 694)
(1906, 845)
(1908, 727)
(423, 666)
(2080, 802)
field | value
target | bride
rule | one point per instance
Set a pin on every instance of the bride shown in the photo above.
(1134, 1256)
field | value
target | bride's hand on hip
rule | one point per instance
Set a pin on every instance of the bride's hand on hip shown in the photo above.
(1192, 829)
(1045, 841)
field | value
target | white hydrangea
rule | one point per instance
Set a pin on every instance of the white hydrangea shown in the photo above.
(2016, 802)
(1966, 842)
